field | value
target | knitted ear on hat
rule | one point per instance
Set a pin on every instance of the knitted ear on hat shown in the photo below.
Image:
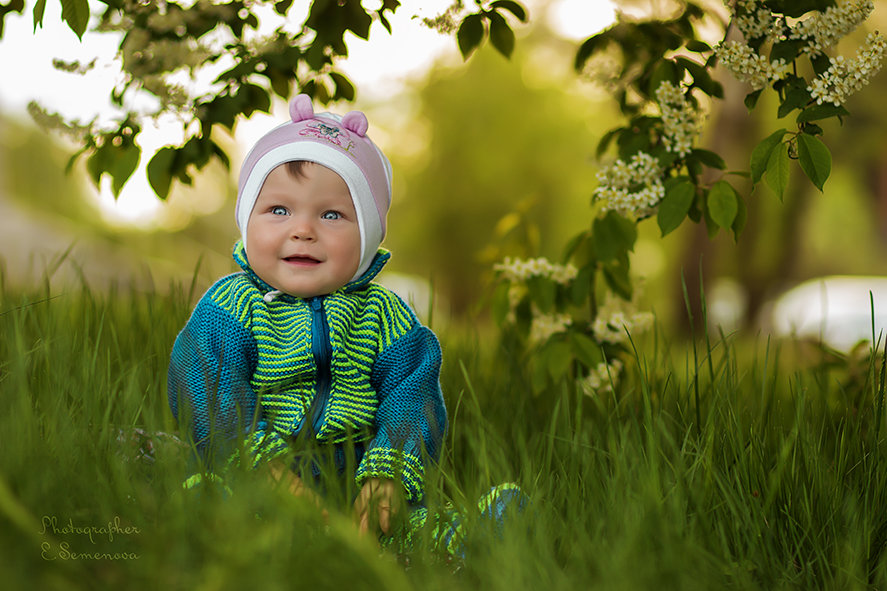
(301, 108)
(357, 122)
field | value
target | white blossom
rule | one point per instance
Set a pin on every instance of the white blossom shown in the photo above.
(617, 325)
(518, 270)
(682, 121)
(632, 189)
(602, 378)
(755, 20)
(747, 66)
(546, 325)
(824, 29)
(844, 77)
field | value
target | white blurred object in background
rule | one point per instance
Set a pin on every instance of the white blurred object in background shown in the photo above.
(837, 310)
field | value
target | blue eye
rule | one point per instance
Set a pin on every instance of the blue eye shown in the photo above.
(278, 210)
(331, 215)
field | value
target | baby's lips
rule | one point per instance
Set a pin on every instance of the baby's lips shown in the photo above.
(302, 259)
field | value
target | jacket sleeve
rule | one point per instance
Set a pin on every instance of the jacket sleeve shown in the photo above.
(411, 420)
(210, 394)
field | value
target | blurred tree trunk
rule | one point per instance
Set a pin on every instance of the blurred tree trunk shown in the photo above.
(876, 179)
(733, 135)
(765, 280)
(760, 269)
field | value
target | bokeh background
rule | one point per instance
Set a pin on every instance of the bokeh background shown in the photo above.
(492, 158)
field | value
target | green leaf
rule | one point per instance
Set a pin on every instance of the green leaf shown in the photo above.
(665, 71)
(796, 97)
(76, 14)
(741, 218)
(751, 99)
(675, 205)
(824, 111)
(711, 226)
(74, 157)
(356, 19)
(384, 20)
(280, 83)
(606, 140)
(613, 236)
(538, 374)
(697, 46)
(632, 140)
(471, 34)
(702, 78)
(798, 8)
(760, 156)
(221, 155)
(722, 204)
(252, 98)
(501, 34)
(543, 293)
(585, 349)
(500, 303)
(821, 64)
(282, 6)
(815, 159)
(616, 275)
(512, 7)
(125, 163)
(582, 285)
(38, 11)
(709, 158)
(558, 358)
(344, 87)
(778, 170)
(100, 161)
(586, 50)
(787, 50)
(160, 171)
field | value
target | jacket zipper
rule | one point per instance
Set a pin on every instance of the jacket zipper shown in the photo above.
(322, 350)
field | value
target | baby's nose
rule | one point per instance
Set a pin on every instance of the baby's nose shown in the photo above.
(302, 229)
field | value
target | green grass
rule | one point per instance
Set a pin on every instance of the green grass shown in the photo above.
(779, 483)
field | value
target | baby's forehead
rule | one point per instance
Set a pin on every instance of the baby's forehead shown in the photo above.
(301, 168)
(305, 178)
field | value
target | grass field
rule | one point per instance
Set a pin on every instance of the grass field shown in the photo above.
(777, 479)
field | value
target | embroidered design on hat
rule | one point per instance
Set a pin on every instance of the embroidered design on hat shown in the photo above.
(330, 133)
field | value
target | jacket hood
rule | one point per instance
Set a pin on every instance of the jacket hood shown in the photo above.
(382, 256)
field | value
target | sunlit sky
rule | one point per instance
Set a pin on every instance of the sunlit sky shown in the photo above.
(377, 68)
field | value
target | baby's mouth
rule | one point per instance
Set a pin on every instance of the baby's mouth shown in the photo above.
(301, 260)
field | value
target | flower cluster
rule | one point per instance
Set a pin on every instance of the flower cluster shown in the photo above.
(615, 327)
(518, 270)
(631, 189)
(844, 77)
(545, 325)
(747, 66)
(823, 30)
(681, 119)
(756, 21)
(602, 378)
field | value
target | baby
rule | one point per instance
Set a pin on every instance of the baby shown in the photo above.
(301, 349)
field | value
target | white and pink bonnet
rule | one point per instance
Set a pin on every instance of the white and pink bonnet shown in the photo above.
(339, 143)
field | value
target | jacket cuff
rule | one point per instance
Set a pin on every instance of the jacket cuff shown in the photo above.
(200, 480)
(261, 446)
(381, 462)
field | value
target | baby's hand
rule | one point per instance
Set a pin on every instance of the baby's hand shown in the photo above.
(380, 499)
(280, 471)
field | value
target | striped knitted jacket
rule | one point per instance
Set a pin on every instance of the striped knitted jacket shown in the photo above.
(355, 364)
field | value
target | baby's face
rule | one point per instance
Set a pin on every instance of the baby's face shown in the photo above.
(303, 236)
